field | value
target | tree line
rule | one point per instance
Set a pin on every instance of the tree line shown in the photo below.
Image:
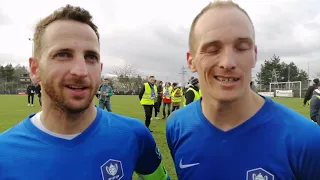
(10, 77)
(273, 70)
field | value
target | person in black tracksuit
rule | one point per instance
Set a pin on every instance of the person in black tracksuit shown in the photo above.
(159, 97)
(38, 91)
(147, 108)
(31, 89)
(310, 90)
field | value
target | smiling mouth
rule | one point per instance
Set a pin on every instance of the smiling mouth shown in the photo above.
(226, 79)
(78, 88)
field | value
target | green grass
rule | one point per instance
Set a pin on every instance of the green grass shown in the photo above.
(14, 108)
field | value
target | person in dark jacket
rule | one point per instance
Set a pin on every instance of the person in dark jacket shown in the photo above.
(31, 89)
(159, 97)
(315, 106)
(38, 91)
(310, 90)
(190, 95)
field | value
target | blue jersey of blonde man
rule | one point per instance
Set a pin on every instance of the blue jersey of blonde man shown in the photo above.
(72, 139)
(232, 132)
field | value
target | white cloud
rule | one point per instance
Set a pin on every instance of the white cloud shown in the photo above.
(152, 35)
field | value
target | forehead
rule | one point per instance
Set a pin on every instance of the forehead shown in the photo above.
(224, 24)
(70, 34)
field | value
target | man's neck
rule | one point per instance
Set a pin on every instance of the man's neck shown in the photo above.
(59, 122)
(226, 116)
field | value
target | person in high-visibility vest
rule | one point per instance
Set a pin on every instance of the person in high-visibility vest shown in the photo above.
(166, 99)
(147, 96)
(315, 106)
(176, 97)
(193, 93)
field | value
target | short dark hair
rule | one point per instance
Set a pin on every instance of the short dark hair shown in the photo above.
(151, 76)
(68, 12)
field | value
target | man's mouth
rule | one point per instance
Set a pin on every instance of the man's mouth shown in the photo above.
(78, 88)
(226, 79)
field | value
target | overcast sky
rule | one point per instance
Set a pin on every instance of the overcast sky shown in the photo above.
(152, 35)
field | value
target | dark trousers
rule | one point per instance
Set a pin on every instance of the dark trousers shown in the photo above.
(148, 114)
(156, 109)
(30, 98)
(175, 108)
(164, 109)
(159, 101)
(40, 102)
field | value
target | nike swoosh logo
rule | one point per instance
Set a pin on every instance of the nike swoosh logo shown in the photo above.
(183, 166)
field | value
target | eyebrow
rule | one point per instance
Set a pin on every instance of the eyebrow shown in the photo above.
(71, 50)
(218, 42)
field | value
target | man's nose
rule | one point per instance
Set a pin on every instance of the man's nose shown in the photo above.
(227, 61)
(79, 68)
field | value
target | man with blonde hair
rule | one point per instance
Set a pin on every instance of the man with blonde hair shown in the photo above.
(232, 132)
(71, 138)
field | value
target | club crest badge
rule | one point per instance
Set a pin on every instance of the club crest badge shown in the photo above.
(259, 174)
(112, 170)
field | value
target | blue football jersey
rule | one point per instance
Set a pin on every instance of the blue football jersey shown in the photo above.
(113, 147)
(275, 144)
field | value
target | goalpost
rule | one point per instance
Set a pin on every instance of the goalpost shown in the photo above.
(286, 89)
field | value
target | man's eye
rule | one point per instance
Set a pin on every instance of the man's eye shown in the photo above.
(91, 57)
(63, 55)
(243, 47)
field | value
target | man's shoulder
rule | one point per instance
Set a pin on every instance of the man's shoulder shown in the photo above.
(184, 116)
(14, 134)
(297, 126)
(122, 123)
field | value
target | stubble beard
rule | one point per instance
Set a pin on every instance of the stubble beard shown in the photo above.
(60, 103)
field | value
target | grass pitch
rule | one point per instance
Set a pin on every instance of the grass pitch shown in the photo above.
(13, 109)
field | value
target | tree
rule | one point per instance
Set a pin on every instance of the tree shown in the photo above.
(274, 70)
(125, 70)
(127, 76)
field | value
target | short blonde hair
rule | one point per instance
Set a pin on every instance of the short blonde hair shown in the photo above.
(64, 13)
(213, 5)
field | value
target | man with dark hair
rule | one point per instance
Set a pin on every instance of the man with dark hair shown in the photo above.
(71, 138)
(310, 91)
(31, 89)
(38, 91)
(159, 96)
(147, 97)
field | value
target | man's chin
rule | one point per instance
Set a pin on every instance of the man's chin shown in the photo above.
(76, 107)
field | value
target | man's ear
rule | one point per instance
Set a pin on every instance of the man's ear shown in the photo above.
(34, 70)
(190, 62)
(255, 56)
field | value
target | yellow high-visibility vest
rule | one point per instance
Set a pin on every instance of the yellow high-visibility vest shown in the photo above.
(165, 94)
(197, 95)
(148, 97)
(176, 99)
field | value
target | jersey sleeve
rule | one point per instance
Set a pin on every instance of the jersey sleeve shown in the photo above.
(309, 157)
(149, 166)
